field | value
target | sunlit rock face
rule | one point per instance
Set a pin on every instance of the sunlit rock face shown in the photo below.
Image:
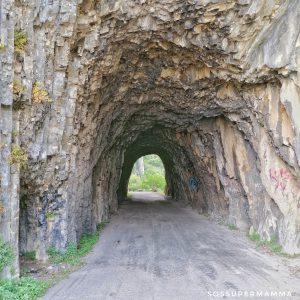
(210, 86)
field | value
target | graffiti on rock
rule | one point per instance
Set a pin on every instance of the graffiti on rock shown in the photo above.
(280, 178)
(193, 183)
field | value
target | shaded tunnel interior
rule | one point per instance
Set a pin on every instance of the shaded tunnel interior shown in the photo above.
(189, 179)
(154, 141)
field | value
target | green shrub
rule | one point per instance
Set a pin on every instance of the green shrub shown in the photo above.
(154, 163)
(51, 214)
(6, 255)
(275, 247)
(30, 255)
(153, 182)
(147, 183)
(135, 183)
(254, 236)
(153, 178)
(28, 288)
(271, 244)
(25, 288)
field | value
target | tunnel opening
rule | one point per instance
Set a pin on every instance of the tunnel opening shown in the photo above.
(225, 134)
(148, 174)
(207, 166)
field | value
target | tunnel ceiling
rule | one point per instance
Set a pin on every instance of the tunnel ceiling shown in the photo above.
(167, 64)
(212, 86)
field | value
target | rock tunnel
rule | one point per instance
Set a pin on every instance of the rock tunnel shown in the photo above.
(212, 87)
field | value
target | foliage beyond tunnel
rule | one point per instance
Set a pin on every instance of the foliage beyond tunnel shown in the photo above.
(153, 177)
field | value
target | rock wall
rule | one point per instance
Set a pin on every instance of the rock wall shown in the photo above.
(212, 86)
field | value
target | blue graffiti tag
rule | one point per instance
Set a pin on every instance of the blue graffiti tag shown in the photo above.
(193, 183)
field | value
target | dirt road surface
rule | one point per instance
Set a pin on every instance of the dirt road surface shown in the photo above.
(155, 249)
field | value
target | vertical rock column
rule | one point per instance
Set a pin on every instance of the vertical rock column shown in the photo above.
(9, 175)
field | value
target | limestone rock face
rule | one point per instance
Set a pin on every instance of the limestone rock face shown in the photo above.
(212, 86)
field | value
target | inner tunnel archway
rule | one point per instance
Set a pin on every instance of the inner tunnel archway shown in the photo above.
(191, 175)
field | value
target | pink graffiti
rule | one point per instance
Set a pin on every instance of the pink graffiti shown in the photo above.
(280, 177)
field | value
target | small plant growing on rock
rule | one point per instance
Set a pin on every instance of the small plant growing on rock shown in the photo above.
(232, 227)
(73, 254)
(271, 244)
(18, 157)
(254, 236)
(2, 145)
(6, 255)
(14, 134)
(1, 46)
(20, 40)
(39, 94)
(29, 255)
(2, 209)
(18, 88)
(51, 214)
(22, 288)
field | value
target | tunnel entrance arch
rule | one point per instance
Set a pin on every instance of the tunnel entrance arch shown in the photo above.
(111, 97)
(148, 174)
(129, 161)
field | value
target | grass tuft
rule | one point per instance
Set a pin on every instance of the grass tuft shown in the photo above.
(271, 244)
(28, 288)
(254, 236)
(232, 227)
(25, 288)
(30, 255)
(51, 215)
(20, 40)
(6, 255)
(73, 254)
